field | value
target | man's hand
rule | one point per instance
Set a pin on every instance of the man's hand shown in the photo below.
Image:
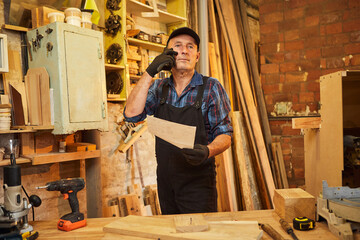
(197, 155)
(165, 61)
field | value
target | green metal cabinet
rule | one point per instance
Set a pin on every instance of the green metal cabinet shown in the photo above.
(74, 60)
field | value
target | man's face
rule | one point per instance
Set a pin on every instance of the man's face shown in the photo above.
(188, 54)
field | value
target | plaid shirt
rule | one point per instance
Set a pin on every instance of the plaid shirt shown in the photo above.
(215, 105)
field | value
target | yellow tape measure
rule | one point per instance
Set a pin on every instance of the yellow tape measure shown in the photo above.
(303, 223)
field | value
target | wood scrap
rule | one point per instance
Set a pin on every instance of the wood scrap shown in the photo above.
(306, 122)
(129, 205)
(18, 118)
(151, 198)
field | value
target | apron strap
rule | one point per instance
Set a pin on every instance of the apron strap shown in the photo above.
(164, 93)
(198, 101)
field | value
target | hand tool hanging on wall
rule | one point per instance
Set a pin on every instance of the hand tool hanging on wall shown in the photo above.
(69, 188)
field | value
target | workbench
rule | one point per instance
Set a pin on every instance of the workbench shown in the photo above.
(93, 230)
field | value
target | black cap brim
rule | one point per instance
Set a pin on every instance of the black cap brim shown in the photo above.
(186, 31)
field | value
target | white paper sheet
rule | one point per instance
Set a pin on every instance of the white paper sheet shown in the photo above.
(180, 135)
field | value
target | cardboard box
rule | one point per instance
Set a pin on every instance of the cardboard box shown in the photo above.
(294, 202)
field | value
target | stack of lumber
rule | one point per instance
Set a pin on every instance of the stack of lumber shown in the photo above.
(248, 178)
(134, 203)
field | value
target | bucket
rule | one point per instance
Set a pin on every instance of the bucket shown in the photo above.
(56, 17)
(72, 12)
(76, 21)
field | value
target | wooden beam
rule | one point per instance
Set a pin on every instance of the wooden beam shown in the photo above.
(306, 122)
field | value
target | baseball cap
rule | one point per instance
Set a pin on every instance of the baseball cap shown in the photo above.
(187, 31)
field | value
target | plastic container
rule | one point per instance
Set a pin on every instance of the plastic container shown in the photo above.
(86, 24)
(56, 17)
(72, 12)
(85, 16)
(76, 21)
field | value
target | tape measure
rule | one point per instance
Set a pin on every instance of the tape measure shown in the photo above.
(303, 223)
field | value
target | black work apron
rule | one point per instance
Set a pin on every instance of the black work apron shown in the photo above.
(182, 187)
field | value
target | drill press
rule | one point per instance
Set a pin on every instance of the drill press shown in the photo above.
(14, 211)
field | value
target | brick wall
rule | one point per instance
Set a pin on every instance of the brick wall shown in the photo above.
(301, 41)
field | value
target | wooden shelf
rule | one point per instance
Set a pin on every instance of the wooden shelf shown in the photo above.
(15, 28)
(136, 8)
(115, 98)
(113, 67)
(21, 160)
(26, 129)
(46, 158)
(148, 45)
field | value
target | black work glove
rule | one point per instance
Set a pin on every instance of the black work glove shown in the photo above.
(165, 61)
(197, 155)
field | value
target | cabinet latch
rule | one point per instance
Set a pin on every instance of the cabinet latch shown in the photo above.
(103, 110)
(99, 52)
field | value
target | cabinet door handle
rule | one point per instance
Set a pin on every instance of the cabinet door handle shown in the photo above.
(99, 52)
(103, 110)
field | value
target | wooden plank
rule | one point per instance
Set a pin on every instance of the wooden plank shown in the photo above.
(240, 70)
(32, 85)
(6, 162)
(214, 69)
(61, 157)
(249, 188)
(311, 158)
(306, 122)
(15, 28)
(156, 228)
(190, 223)
(44, 93)
(222, 179)
(248, 42)
(282, 168)
(27, 143)
(214, 35)
(277, 166)
(330, 164)
(45, 142)
(18, 110)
